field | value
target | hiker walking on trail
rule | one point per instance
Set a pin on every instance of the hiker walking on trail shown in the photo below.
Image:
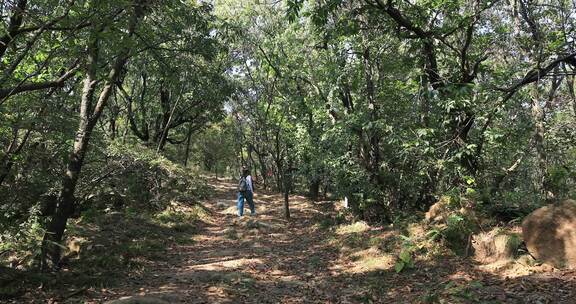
(245, 192)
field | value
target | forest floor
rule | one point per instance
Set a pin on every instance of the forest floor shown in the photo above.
(308, 259)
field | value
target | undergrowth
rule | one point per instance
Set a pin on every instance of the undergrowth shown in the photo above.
(124, 223)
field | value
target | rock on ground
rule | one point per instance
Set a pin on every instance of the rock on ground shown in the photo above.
(550, 234)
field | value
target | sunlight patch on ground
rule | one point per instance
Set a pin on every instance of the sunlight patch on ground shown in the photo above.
(264, 196)
(224, 186)
(300, 205)
(226, 265)
(460, 275)
(277, 273)
(178, 213)
(203, 238)
(217, 292)
(356, 227)
(371, 259)
(148, 298)
(232, 210)
(514, 269)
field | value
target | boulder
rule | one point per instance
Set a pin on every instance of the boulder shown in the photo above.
(550, 234)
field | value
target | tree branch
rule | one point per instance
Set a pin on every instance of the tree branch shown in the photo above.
(4, 93)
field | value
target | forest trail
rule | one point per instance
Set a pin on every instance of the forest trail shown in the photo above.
(113, 113)
(260, 259)
(267, 259)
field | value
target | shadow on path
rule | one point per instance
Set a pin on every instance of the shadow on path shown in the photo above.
(267, 259)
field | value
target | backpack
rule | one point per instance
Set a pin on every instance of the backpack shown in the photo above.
(242, 185)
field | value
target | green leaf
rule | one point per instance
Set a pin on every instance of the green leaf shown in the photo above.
(405, 238)
(399, 266)
(406, 256)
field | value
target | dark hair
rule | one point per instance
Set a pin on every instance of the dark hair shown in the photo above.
(245, 172)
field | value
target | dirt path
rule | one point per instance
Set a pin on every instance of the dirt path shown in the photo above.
(261, 259)
(266, 259)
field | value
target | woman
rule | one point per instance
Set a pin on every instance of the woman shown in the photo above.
(245, 191)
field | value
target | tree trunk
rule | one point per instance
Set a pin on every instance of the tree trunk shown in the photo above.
(5, 170)
(287, 188)
(188, 139)
(373, 146)
(66, 201)
(278, 159)
(242, 160)
(89, 117)
(279, 175)
(424, 102)
(314, 188)
(539, 131)
(162, 120)
(144, 133)
(113, 127)
(286, 202)
(252, 162)
(538, 116)
(571, 83)
(263, 169)
(326, 186)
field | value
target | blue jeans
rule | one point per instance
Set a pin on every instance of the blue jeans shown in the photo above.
(248, 195)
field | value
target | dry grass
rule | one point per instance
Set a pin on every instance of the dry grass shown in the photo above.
(357, 227)
(371, 259)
